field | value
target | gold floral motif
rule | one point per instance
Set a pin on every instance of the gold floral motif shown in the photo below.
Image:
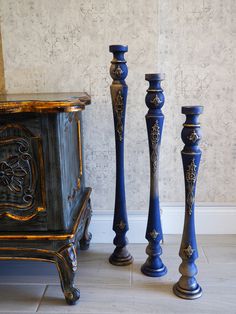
(155, 136)
(121, 225)
(191, 179)
(119, 108)
(194, 137)
(118, 72)
(189, 251)
(155, 101)
(154, 234)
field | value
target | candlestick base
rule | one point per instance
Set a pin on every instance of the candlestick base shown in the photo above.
(121, 257)
(187, 294)
(151, 269)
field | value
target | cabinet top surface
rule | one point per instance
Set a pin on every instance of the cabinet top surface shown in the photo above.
(43, 103)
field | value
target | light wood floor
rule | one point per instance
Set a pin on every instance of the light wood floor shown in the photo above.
(29, 287)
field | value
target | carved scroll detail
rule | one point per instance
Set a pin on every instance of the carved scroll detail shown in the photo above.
(155, 137)
(21, 174)
(191, 179)
(119, 109)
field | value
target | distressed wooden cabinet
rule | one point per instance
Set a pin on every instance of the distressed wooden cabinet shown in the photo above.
(44, 204)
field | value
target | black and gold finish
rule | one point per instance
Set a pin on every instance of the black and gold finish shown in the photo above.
(44, 205)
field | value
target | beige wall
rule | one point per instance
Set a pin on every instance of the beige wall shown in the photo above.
(62, 45)
(2, 78)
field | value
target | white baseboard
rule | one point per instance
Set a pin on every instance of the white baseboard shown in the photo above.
(210, 219)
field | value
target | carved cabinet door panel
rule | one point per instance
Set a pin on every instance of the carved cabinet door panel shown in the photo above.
(22, 191)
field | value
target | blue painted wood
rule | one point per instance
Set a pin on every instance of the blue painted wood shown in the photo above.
(154, 266)
(119, 90)
(187, 286)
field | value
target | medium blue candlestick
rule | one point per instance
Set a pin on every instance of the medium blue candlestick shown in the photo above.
(187, 286)
(119, 90)
(154, 266)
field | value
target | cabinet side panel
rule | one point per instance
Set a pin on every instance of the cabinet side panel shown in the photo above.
(51, 153)
(71, 161)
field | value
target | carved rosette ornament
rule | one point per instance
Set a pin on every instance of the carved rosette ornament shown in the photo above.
(187, 286)
(154, 266)
(119, 90)
(12, 174)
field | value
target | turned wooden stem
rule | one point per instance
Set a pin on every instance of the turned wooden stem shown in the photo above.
(119, 90)
(154, 266)
(187, 286)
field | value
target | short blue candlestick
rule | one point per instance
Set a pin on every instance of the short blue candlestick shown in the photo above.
(187, 286)
(154, 266)
(119, 90)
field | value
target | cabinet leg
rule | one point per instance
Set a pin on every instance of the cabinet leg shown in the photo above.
(87, 236)
(67, 266)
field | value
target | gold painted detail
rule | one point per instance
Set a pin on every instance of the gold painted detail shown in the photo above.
(191, 125)
(191, 179)
(189, 251)
(194, 137)
(121, 225)
(119, 108)
(154, 234)
(43, 103)
(155, 101)
(155, 137)
(118, 72)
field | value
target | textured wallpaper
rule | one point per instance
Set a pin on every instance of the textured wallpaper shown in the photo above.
(62, 45)
(2, 77)
(197, 50)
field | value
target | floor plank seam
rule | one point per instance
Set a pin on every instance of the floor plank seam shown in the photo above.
(41, 299)
(203, 250)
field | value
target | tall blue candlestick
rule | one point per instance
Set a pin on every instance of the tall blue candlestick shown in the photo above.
(154, 266)
(119, 90)
(187, 286)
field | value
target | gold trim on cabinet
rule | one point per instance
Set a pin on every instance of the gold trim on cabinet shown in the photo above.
(19, 218)
(41, 107)
(58, 237)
